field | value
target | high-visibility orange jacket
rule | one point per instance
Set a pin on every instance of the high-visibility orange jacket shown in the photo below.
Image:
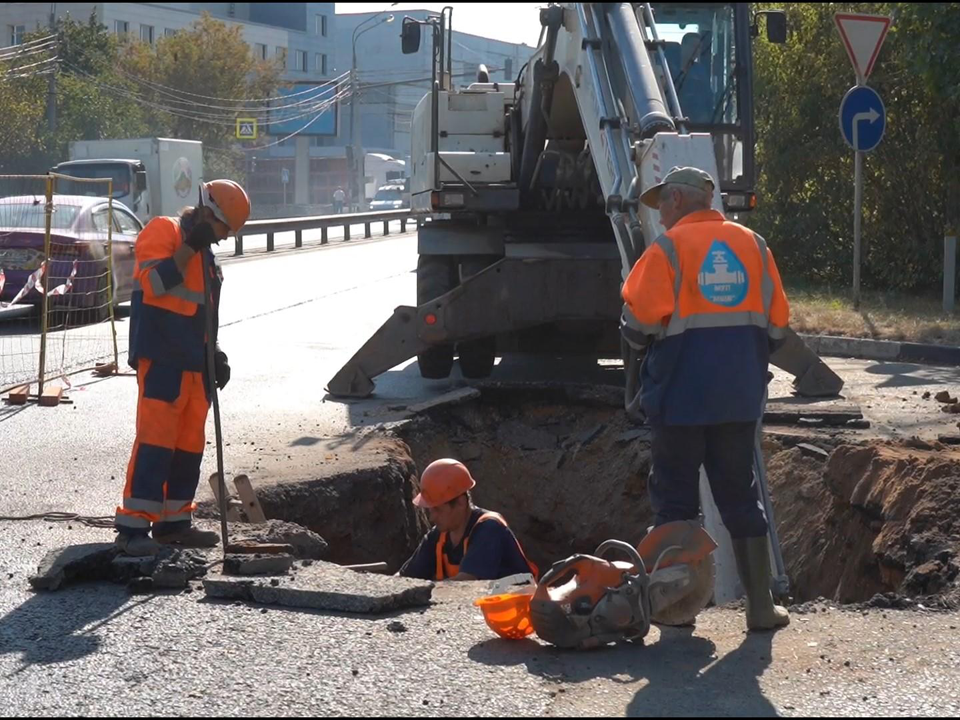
(167, 315)
(709, 292)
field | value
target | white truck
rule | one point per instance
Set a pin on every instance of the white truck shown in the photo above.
(151, 176)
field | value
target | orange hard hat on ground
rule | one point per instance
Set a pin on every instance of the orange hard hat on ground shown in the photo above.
(442, 481)
(228, 201)
(507, 615)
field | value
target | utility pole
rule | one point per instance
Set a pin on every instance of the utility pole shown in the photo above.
(52, 78)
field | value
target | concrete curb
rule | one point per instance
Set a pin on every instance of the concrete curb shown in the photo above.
(883, 350)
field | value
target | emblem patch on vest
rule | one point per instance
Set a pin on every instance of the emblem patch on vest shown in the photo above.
(723, 278)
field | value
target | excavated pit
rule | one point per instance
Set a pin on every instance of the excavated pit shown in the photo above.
(568, 470)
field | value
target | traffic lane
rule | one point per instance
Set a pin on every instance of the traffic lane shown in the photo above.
(73, 458)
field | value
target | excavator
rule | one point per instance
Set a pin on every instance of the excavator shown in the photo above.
(530, 189)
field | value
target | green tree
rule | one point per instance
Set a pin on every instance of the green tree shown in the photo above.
(197, 82)
(806, 170)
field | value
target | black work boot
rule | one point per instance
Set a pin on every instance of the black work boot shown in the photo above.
(753, 566)
(188, 537)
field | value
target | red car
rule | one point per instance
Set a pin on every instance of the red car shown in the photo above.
(78, 241)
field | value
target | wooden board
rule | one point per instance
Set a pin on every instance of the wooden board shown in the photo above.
(19, 395)
(51, 396)
(233, 514)
(827, 414)
(251, 505)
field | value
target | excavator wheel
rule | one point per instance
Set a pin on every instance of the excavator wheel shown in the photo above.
(476, 356)
(436, 276)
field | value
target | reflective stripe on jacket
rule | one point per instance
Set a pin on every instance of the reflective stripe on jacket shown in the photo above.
(710, 294)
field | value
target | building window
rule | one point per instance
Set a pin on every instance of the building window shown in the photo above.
(260, 51)
(146, 33)
(16, 34)
(169, 32)
(508, 69)
(322, 25)
(281, 55)
(121, 27)
(321, 63)
(300, 60)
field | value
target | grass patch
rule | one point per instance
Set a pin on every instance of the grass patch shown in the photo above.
(882, 316)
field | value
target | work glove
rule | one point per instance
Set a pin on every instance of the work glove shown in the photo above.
(222, 368)
(202, 236)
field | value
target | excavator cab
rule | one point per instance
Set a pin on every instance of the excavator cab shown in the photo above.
(707, 49)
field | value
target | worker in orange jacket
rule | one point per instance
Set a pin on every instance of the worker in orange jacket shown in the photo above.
(466, 542)
(168, 350)
(706, 301)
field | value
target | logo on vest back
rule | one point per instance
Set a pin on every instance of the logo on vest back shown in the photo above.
(723, 278)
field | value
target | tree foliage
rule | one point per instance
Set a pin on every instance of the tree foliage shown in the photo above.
(108, 88)
(806, 170)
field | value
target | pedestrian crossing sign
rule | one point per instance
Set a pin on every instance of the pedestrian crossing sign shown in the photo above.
(246, 129)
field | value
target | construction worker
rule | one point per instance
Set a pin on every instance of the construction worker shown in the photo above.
(338, 198)
(706, 301)
(466, 542)
(168, 351)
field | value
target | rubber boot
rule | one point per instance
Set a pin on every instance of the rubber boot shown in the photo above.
(190, 537)
(137, 545)
(753, 566)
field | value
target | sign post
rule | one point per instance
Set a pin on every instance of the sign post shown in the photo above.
(862, 115)
(285, 179)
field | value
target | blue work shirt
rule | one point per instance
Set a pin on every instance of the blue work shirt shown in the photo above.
(493, 552)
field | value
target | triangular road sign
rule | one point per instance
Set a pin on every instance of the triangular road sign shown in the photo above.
(862, 37)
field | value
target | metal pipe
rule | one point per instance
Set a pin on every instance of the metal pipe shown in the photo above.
(212, 380)
(642, 84)
(673, 100)
(541, 97)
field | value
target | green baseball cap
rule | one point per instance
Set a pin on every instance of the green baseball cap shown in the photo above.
(691, 176)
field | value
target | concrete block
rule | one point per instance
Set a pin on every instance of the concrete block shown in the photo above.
(451, 398)
(840, 346)
(304, 543)
(51, 396)
(19, 395)
(179, 568)
(257, 564)
(812, 342)
(879, 349)
(325, 586)
(92, 561)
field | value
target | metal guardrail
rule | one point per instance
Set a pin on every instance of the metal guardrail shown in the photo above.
(323, 223)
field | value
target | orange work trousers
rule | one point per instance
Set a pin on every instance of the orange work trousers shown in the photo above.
(164, 468)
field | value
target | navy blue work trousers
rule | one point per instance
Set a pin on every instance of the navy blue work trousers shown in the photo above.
(726, 453)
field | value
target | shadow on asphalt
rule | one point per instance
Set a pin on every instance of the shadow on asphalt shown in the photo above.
(684, 676)
(909, 375)
(59, 627)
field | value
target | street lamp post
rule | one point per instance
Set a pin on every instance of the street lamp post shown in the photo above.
(358, 154)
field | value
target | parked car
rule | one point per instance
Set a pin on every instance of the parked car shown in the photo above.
(78, 232)
(389, 197)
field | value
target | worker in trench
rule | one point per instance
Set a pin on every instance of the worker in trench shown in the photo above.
(707, 303)
(466, 542)
(168, 351)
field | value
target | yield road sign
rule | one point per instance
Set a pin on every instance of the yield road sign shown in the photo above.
(862, 37)
(862, 118)
(246, 128)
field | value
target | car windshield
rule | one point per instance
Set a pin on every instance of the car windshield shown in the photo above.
(31, 215)
(388, 194)
(120, 174)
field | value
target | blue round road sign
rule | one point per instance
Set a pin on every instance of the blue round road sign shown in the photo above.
(862, 118)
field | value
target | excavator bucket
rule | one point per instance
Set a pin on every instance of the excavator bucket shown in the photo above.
(812, 377)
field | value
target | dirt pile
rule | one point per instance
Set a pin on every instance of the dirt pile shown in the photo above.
(875, 518)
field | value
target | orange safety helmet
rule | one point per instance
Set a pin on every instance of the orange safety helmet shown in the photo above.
(228, 201)
(507, 615)
(442, 481)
